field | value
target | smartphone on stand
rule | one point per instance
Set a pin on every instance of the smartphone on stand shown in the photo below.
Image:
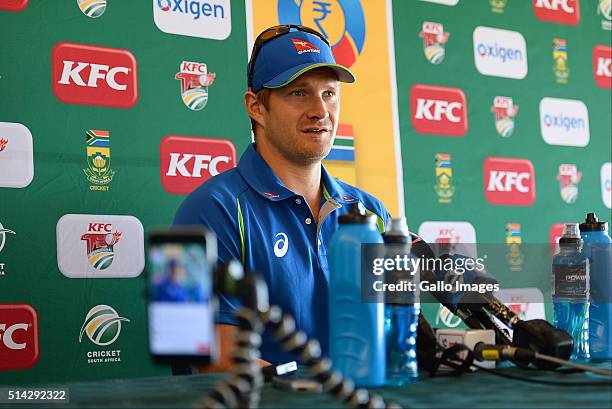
(181, 302)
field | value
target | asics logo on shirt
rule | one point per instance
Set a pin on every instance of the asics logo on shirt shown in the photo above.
(281, 245)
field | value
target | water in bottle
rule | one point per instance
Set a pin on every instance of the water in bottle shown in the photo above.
(570, 290)
(401, 310)
(597, 247)
(357, 342)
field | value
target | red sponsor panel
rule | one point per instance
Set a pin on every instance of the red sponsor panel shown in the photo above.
(554, 234)
(186, 162)
(509, 181)
(92, 75)
(13, 5)
(19, 346)
(602, 66)
(557, 11)
(438, 110)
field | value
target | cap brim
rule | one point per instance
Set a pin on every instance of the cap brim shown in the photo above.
(284, 78)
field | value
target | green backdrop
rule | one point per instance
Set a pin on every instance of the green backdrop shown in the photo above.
(31, 274)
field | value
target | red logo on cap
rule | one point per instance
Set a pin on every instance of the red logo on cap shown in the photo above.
(302, 46)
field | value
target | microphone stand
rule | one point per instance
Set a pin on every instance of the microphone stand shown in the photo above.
(538, 335)
(243, 388)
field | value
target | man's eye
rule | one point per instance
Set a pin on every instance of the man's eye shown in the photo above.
(298, 93)
(329, 93)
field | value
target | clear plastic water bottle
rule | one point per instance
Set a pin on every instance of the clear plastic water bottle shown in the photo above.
(598, 248)
(356, 328)
(570, 290)
(401, 311)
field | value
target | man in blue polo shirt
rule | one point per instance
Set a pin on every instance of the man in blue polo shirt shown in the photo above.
(277, 211)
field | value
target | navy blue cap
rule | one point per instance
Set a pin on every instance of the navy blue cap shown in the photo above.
(286, 57)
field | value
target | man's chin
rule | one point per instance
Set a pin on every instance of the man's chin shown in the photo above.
(309, 156)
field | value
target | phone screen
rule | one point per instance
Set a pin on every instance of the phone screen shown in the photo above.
(181, 302)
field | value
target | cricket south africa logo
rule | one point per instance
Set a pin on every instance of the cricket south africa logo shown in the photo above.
(514, 257)
(341, 22)
(102, 325)
(505, 110)
(100, 245)
(195, 80)
(444, 178)
(568, 178)
(3, 233)
(92, 8)
(3, 143)
(434, 39)
(98, 171)
(498, 6)
(560, 67)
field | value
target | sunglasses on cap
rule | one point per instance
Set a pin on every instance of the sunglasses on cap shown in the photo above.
(270, 34)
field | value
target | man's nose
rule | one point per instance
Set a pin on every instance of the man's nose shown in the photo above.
(317, 108)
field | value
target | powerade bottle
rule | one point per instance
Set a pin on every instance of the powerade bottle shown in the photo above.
(357, 342)
(597, 246)
(401, 310)
(570, 291)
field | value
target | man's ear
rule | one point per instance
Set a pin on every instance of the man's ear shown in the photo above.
(255, 109)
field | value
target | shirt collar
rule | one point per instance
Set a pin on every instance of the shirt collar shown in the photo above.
(256, 172)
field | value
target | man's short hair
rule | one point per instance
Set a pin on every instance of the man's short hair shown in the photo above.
(263, 97)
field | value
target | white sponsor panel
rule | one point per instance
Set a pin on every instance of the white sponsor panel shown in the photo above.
(16, 155)
(461, 234)
(445, 2)
(100, 246)
(195, 18)
(564, 122)
(500, 53)
(606, 184)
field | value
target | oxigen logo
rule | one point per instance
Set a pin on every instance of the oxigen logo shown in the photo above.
(196, 18)
(500, 53)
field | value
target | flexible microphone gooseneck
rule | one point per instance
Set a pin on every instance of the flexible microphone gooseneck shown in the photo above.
(476, 310)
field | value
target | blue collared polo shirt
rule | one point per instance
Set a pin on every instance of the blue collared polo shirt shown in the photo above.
(272, 231)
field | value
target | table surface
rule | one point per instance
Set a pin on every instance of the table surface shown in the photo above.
(472, 390)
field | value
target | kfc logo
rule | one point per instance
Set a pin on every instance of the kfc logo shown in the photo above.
(18, 336)
(602, 66)
(450, 236)
(186, 162)
(91, 75)
(100, 246)
(438, 110)
(15, 6)
(558, 11)
(509, 181)
(554, 234)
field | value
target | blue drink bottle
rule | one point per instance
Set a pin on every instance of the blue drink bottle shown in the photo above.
(401, 311)
(570, 291)
(597, 245)
(357, 343)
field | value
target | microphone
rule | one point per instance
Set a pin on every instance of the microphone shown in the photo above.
(536, 335)
(448, 285)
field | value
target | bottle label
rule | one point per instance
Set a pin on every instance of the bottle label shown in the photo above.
(570, 281)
